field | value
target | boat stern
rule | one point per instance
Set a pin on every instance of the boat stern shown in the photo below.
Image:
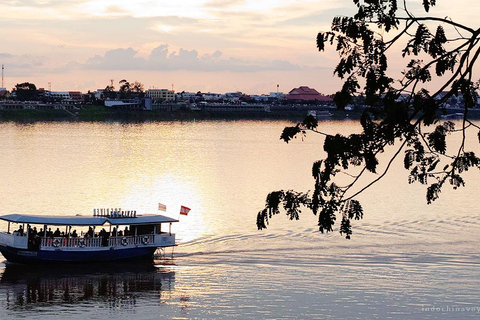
(13, 240)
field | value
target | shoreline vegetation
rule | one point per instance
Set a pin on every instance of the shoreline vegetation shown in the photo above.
(93, 113)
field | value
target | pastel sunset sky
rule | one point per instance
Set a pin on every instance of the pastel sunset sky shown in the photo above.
(207, 45)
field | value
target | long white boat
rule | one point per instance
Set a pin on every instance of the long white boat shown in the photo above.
(130, 237)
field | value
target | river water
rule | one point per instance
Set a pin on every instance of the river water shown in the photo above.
(406, 260)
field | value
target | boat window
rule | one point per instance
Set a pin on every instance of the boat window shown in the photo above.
(144, 229)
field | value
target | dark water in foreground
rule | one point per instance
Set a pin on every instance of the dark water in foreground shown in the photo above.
(406, 260)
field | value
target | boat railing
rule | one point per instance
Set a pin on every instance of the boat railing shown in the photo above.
(121, 241)
(71, 242)
(131, 240)
(80, 242)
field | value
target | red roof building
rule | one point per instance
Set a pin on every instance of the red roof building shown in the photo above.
(76, 95)
(307, 94)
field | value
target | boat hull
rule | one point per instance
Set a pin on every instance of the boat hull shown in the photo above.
(24, 256)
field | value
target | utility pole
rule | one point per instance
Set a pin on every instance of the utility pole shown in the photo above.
(3, 82)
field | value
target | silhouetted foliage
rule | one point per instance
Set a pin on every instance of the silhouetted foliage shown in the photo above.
(109, 92)
(400, 114)
(130, 90)
(26, 91)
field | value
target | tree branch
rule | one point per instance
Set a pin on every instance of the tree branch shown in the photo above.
(450, 22)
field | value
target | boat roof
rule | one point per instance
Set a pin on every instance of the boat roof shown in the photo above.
(79, 220)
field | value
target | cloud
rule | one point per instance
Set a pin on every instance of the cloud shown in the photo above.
(37, 3)
(117, 59)
(4, 55)
(115, 10)
(57, 5)
(223, 3)
(161, 58)
(24, 65)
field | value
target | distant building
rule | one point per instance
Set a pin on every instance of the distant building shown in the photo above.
(185, 96)
(236, 94)
(130, 104)
(276, 95)
(307, 94)
(59, 95)
(160, 94)
(76, 96)
(209, 96)
(99, 94)
(4, 94)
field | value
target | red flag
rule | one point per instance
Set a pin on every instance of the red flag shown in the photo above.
(184, 210)
(162, 207)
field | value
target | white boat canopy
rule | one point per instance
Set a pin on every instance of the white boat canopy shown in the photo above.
(86, 221)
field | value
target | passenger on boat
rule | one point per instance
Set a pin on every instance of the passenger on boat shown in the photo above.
(19, 231)
(37, 241)
(33, 233)
(32, 238)
(90, 232)
(126, 232)
(104, 235)
(49, 233)
(57, 233)
(74, 234)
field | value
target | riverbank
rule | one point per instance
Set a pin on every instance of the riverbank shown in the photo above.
(92, 113)
(102, 114)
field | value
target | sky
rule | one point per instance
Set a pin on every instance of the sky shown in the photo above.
(188, 45)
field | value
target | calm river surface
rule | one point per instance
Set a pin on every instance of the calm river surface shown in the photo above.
(406, 260)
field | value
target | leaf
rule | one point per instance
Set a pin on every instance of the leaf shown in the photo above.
(262, 219)
(446, 62)
(437, 139)
(326, 218)
(345, 96)
(273, 202)
(464, 162)
(346, 228)
(433, 192)
(310, 122)
(440, 36)
(371, 162)
(316, 169)
(291, 203)
(427, 4)
(289, 133)
(418, 71)
(320, 42)
(456, 181)
(408, 159)
(469, 92)
(430, 108)
(354, 210)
